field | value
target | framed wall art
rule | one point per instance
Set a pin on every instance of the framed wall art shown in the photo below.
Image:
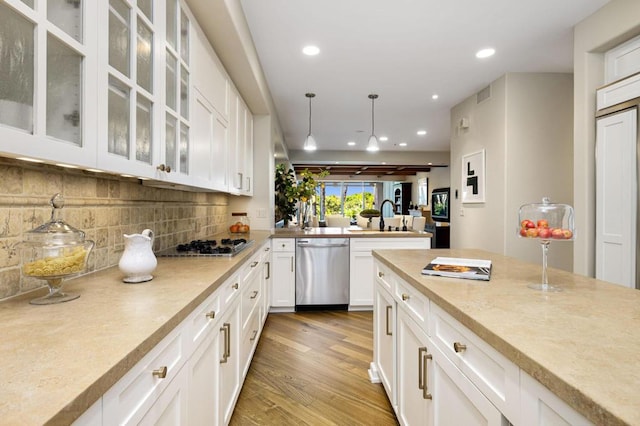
(473, 179)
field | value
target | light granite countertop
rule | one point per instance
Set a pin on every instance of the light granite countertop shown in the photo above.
(57, 360)
(349, 232)
(582, 343)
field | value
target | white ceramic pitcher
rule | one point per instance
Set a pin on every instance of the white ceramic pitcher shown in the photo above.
(138, 261)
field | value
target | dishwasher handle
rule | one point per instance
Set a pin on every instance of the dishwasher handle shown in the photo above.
(307, 243)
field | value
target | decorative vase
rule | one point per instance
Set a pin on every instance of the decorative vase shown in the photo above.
(304, 214)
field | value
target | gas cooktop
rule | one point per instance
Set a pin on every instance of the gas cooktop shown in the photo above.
(227, 247)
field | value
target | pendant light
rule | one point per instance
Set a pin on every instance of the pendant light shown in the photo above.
(373, 141)
(310, 142)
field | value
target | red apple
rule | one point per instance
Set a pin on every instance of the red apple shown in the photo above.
(557, 233)
(523, 232)
(544, 233)
(526, 223)
(567, 234)
(532, 232)
(543, 223)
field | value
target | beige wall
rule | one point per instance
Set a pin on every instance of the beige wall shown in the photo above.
(105, 207)
(525, 130)
(615, 23)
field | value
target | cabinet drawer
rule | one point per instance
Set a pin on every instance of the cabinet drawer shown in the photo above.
(283, 244)
(384, 277)
(204, 317)
(229, 290)
(133, 395)
(250, 298)
(249, 340)
(416, 303)
(495, 376)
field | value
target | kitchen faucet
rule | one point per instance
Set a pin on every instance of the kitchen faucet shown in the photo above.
(382, 215)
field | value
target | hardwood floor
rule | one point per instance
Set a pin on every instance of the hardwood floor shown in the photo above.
(310, 368)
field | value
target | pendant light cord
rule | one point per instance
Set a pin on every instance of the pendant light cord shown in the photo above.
(372, 116)
(309, 116)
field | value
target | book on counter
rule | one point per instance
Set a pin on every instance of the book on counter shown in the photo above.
(456, 267)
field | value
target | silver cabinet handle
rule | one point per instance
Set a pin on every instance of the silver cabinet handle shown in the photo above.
(380, 274)
(226, 329)
(405, 297)
(425, 380)
(389, 333)
(211, 314)
(160, 373)
(235, 286)
(421, 365)
(268, 264)
(254, 264)
(254, 294)
(255, 334)
(459, 347)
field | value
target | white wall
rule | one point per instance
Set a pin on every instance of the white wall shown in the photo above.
(525, 130)
(616, 22)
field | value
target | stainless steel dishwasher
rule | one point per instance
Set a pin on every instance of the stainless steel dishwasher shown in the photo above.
(322, 273)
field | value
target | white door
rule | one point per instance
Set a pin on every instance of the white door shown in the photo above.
(616, 198)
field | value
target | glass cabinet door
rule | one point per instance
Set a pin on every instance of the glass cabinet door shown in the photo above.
(177, 89)
(66, 15)
(16, 69)
(132, 95)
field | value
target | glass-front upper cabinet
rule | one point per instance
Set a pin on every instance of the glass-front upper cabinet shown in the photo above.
(46, 53)
(177, 71)
(130, 114)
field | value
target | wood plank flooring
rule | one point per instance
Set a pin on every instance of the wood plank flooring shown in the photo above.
(310, 368)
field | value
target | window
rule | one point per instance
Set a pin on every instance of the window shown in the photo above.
(346, 199)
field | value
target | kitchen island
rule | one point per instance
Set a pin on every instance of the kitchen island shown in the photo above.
(581, 343)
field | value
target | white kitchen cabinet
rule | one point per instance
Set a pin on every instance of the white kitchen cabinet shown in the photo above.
(240, 147)
(266, 282)
(129, 400)
(361, 281)
(171, 407)
(616, 197)
(229, 359)
(384, 330)
(283, 289)
(541, 407)
(46, 109)
(91, 417)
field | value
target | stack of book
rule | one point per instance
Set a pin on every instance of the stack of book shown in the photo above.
(455, 267)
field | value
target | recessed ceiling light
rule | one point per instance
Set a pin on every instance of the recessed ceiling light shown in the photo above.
(485, 53)
(402, 144)
(383, 138)
(383, 163)
(311, 50)
(428, 164)
(351, 143)
(421, 132)
(434, 96)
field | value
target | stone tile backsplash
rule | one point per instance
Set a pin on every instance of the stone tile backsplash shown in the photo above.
(104, 206)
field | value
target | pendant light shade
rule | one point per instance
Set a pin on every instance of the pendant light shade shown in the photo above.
(373, 140)
(310, 142)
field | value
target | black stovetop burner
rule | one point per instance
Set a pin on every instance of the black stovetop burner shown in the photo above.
(226, 247)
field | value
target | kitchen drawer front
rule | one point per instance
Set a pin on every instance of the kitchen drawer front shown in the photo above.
(415, 303)
(132, 396)
(251, 295)
(249, 340)
(384, 277)
(229, 290)
(251, 267)
(363, 244)
(204, 318)
(283, 244)
(496, 377)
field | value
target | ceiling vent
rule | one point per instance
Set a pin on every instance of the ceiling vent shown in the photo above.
(483, 95)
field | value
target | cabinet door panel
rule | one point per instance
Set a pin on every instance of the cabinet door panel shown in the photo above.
(384, 341)
(283, 293)
(203, 378)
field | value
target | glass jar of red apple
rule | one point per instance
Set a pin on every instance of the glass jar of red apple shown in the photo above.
(546, 221)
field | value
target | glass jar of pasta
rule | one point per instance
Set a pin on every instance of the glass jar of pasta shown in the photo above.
(54, 251)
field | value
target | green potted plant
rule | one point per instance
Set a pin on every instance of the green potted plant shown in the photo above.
(286, 194)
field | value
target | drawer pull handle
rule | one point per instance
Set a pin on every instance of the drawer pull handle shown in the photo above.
(226, 329)
(425, 380)
(255, 294)
(405, 297)
(254, 264)
(380, 274)
(211, 315)
(161, 372)
(235, 286)
(255, 334)
(459, 347)
(421, 368)
(268, 270)
(389, 333)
